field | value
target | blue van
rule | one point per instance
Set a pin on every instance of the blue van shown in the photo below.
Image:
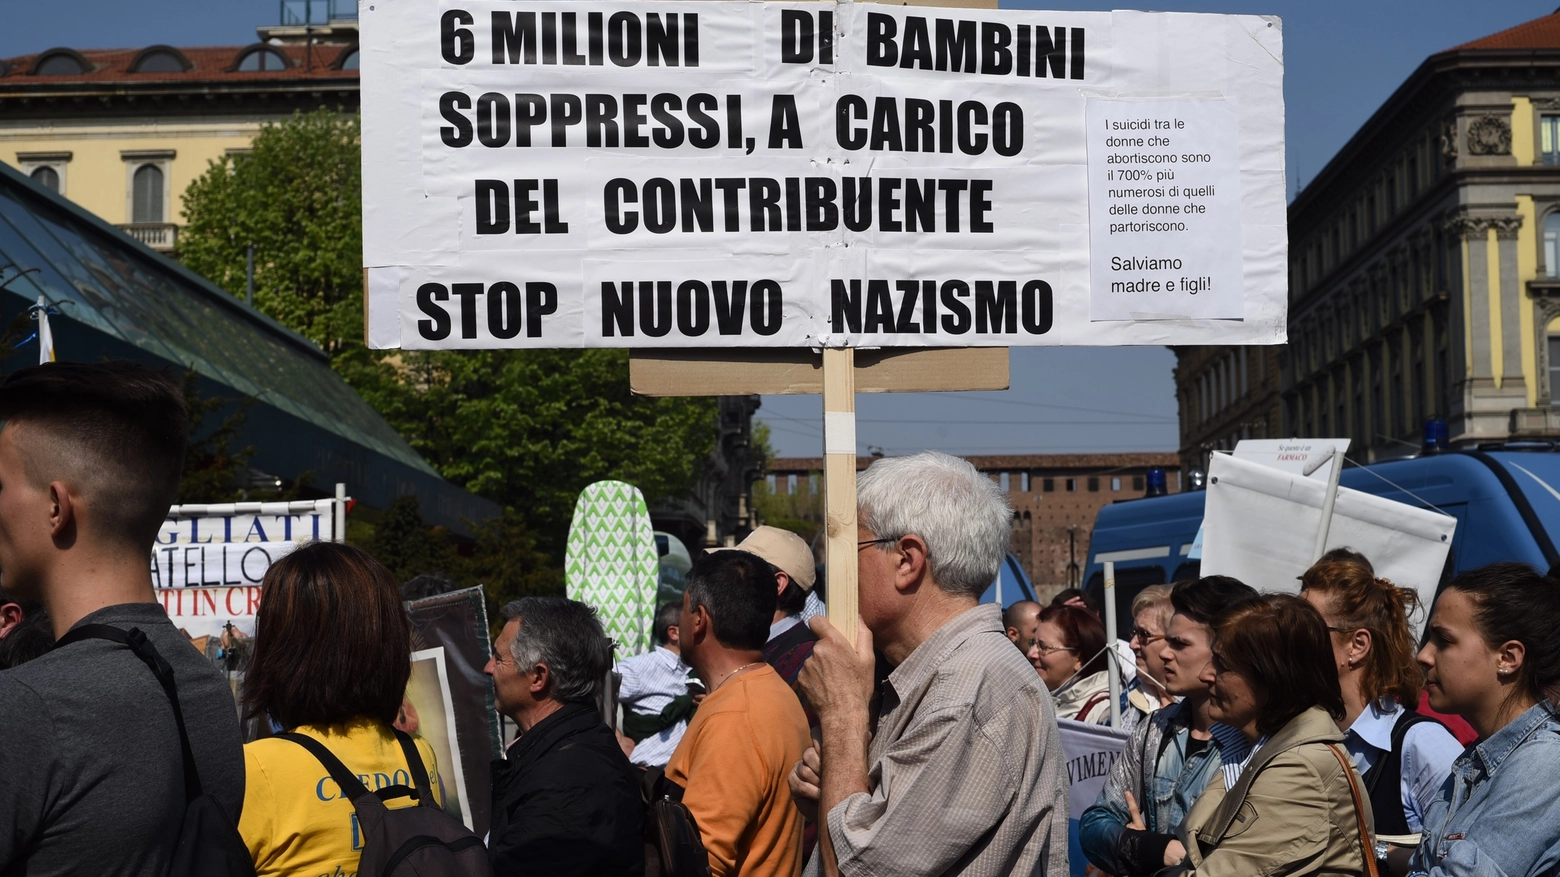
(1506, 498)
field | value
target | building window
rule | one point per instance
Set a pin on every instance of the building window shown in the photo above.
(790, 484)
(1006, 482)
(1549, 139)
(147, 194)
(350, 62)
(1554, 371)
(1048, 484)
(1072, 485)
(1094, 484)
(60, 63)
(1115, 485)
(160, 59)
(262, 59)
(1137, 482)
(47, 177)
(1552, 244)
(1025, 478)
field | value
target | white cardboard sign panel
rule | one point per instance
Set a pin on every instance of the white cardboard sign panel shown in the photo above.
(1260, 525)
(721, 174)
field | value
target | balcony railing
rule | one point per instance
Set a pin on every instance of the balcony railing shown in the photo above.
(162, 236)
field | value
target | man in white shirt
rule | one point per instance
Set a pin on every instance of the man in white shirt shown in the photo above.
(655, 697)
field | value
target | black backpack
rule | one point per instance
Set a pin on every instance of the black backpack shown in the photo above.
(209, 842)
(423, 840)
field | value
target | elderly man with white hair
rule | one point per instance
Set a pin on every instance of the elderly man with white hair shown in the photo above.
(964, 772)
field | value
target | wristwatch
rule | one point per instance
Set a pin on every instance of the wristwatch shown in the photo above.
(1381, 850)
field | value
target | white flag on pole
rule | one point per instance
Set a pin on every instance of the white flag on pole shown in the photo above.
(45, 335)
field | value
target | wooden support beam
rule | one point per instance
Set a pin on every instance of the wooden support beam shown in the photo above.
(839, 479)
(787, 371)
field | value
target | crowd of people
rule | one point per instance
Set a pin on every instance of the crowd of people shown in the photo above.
(1269, 733)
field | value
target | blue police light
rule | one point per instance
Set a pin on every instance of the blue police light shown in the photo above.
(1157, 485)
(1436, 436)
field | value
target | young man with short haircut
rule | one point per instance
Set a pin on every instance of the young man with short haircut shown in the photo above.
(90, 460)
(750, 729)
(1172, 756)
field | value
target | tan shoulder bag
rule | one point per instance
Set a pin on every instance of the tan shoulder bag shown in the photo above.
(1366, 844)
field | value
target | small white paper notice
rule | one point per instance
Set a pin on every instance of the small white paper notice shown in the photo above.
(1164, 210)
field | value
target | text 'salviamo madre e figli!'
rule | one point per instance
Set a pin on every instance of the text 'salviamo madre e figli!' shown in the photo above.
(734, 174)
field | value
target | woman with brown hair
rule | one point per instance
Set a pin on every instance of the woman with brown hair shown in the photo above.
(1404, 756)
(332, 655)
(1069, 652)
(1296, 807)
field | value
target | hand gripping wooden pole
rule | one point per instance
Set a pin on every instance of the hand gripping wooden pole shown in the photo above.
(839, 480)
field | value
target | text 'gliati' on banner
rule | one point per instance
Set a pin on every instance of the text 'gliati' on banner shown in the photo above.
(732, 174)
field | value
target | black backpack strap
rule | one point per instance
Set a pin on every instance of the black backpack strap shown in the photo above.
(346, 780)
(414, 764)
(142, 648)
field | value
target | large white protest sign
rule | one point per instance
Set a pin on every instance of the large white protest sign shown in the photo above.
(732, 174)
(1260, 526)
(209, 560)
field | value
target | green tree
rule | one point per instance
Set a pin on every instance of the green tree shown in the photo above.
(405, 543)
(530, 429)
(213, 469)
(296, 196)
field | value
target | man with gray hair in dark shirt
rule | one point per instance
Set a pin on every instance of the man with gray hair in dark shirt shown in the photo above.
(90, 459)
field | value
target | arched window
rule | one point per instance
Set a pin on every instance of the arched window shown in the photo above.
(47, 177)
(1552, 244)
(160, 59)
(349, 61)
(147, 194)
(60, 62)
(259, 59)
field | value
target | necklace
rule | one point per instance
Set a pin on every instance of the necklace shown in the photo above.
(727, 677)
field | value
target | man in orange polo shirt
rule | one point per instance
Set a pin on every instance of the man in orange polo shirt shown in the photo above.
(734, 758)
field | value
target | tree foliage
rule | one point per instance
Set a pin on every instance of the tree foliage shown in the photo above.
(296, 196)
(530, 429)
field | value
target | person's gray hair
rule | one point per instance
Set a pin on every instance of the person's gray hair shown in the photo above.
(566, 637)
(668, 616)
(963, 516)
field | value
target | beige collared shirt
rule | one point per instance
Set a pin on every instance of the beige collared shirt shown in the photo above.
(966, 770)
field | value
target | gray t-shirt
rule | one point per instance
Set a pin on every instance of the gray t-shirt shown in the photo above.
(91, 774)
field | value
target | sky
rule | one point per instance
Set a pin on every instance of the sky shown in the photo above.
(1342, 60)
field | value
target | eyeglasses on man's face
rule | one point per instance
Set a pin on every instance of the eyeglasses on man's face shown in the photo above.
(865, 543)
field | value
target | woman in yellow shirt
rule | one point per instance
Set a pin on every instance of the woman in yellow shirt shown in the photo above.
(332, 656)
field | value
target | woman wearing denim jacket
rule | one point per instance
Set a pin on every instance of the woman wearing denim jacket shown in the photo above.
(1492, 658)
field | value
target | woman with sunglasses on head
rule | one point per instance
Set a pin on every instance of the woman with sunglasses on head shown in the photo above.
(1404, 757)
(1069, 652)
(1492, 657)
(1297, 806)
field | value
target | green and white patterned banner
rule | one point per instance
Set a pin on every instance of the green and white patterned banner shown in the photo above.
(611, 562)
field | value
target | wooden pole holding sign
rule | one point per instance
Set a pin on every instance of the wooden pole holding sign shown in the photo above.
(839, 375)
(839, 486)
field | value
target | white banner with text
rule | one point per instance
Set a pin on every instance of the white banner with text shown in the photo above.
(734, 174)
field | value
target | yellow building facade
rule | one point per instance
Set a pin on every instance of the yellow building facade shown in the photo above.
(124, 132)
(1424, 268)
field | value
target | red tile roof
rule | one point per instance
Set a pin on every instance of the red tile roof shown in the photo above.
(207, 63)
(1540, 33)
